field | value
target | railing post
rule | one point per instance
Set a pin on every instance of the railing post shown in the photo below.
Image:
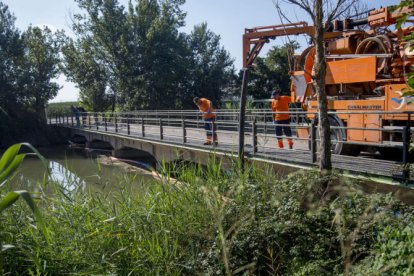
(313, 142)
(116, 122)
(161, 130)
(105, 123)
(254, 134)
(97, 120)
(198, 118)
(142, 127)
(184, 131)
(213, 131)
(89, 120)
(128, 127)
(71, 119)
(406, 149)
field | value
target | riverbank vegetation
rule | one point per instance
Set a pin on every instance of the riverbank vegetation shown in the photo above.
(212, 222)
(59, 109)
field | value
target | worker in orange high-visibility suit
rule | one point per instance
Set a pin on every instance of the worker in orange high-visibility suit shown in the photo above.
(209, 118)
(281, 120)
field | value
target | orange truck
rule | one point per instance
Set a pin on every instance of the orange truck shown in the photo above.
(365, 79)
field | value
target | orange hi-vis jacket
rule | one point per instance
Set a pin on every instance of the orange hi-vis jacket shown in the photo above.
(206, 108)
(281, 105)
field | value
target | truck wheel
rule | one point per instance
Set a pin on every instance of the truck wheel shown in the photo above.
(339, 135)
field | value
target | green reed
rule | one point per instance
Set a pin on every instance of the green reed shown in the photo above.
(202, 220)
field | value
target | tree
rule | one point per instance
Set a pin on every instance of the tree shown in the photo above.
(143, 58)
(272, 71)
(144, 55)
(90, 76)
(410, 39)
(11, 52)
(40, 67)
(104, 27)
(165, 55)
(212, 67)
(315, 9)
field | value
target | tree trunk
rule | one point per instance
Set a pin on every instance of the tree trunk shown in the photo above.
(325, 163)
(243, 97)
(40, 110)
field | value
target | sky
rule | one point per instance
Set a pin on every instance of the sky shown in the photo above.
(227, 18)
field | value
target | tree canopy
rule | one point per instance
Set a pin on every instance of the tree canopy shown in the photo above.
(29, 64)
(141, 58)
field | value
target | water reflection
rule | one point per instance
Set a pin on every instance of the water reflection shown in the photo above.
(71, 170)
(66, 179)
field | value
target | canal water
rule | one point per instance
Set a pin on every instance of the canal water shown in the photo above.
(74, 170)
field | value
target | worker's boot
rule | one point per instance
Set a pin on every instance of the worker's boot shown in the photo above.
(208, 141)
(290, 143)
(280, 144)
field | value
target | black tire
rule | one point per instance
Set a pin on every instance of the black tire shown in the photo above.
(339, 135)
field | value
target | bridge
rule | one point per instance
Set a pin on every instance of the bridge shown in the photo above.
(179, 135)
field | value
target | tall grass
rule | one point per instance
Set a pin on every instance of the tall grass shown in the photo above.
(208, 221)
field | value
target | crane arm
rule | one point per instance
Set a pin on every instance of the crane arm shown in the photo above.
(255, 38)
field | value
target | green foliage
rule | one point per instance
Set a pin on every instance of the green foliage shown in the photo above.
(11, 160)
(395, 250)
(209, 221)
(29, 64)
(393, 253)
(11, 50)
(137, 58)
(212, 68)
(63, 108)
(90, 76)
(409, 91)
(40, 67)
(9, 164)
